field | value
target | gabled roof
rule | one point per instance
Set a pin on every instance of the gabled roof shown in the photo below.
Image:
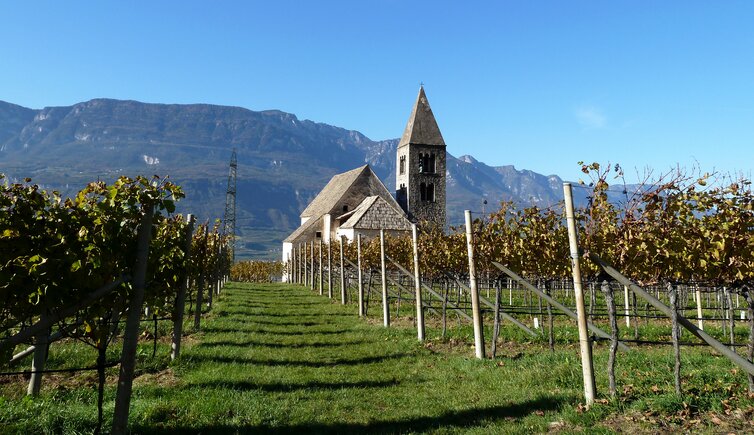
(333, 191)
(309, 226)
(375, 213)
(422, 127)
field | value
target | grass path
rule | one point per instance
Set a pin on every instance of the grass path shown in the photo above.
(277, 359)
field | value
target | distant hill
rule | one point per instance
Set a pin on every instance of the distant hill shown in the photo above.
(283, 162)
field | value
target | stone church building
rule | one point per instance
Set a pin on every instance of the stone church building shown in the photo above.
(356, 202)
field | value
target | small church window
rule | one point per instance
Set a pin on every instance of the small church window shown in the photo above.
(403, 165)
(421, 163)
(423, 191)
(431, 165)
(345, 209)
(318, 234)
(401, 196)
(431, 192)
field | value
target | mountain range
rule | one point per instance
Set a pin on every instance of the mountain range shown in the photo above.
(283, 161)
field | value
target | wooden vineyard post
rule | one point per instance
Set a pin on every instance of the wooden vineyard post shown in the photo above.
(131, 332)
(311, 267)
(41, 341)
(749, 298)
(585, 346)
(209, 285)
(342, 273)
(200, 283)
(699, 312)
(303, 259)
(550, 322)
(731, 318)
(475, 310)
(627, 306)
(180, 298)
(300, 260)
(496, 324)
(361, 281)
(216, 283)
(329, 268)
(613, 335)
(301, 273)
(321, 282)
(385, 304)
(291, 271)
(675, 334)
(417, 286)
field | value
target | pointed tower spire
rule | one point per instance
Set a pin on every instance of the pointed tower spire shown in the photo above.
(421, 128)
(420, 166)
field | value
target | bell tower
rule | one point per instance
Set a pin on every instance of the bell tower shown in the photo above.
(420, 166)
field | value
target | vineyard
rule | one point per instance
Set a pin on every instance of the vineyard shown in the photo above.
(676, 253)
(662, 305)
(94, 268)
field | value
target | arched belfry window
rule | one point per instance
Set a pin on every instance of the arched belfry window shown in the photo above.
(431, 192)
(403, 165)
(431, 165)
(423, 191)
(421, 163)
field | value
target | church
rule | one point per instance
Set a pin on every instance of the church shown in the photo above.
(356, 202)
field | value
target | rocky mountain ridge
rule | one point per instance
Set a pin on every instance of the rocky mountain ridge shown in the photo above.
(283, 161)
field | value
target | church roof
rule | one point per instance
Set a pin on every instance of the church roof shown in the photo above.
(305, 231)
(422, 127)
(375, 213)
(332, 192)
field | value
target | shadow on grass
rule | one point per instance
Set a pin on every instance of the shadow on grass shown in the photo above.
(452, 419)
(296, 363)
(251, 343)
(220, 329)
(262, 322)
(283, 388)
(296, 315)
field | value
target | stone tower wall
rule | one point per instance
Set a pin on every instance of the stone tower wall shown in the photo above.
(432, 207)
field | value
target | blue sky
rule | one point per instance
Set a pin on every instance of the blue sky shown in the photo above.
(539, 85)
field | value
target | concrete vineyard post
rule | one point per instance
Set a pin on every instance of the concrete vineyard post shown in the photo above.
(475, 309)
(361, 281)
(342, 272)
(385, 304)
(180, 299)
(131, 332)
(417, 286)
(587, 366)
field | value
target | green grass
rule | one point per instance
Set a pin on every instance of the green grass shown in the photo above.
(279, 359)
